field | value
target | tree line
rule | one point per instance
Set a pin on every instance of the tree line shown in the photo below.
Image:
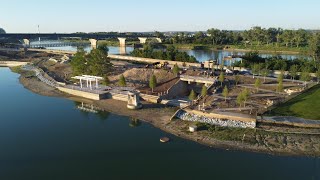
(170, 53)
(256, 36)
(253, 61)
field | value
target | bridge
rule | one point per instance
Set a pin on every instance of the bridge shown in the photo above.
(57, 44)
(93, 38)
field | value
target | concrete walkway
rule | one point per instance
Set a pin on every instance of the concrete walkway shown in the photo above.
(289, 120)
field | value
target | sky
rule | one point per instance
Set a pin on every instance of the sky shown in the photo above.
(67, 16)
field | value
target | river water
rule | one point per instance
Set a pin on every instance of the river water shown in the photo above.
(200, 55)
(49, 138)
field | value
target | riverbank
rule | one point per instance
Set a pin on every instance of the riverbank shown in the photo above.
(255, 140)
(231, 48)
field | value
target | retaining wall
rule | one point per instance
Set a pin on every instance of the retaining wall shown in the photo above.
(83, 94)
(216, 119)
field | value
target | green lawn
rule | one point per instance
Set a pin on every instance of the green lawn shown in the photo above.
(305, 105)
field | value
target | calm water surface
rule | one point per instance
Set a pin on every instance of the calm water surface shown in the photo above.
(49, 138)
(200, 55)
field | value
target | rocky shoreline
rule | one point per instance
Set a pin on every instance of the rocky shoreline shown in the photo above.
(252, 140)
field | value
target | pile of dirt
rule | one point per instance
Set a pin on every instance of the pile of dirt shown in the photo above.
(141, 76)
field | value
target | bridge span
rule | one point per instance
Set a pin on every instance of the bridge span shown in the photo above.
(92, 37)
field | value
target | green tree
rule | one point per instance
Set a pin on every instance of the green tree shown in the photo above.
(98, 61)
(314, 47)
(257, 84)
(300, 37)
(243, 97)
(255, 69)
(287, 37)
(221, 77)
(305, 75)
(95, 63)
(192, 95)
(215, 35)
(293, 71)
(204, 91)
(280, 86)
(240, 99)
(246, 94)
(122, 81)
(280, 77)
(225, 93)
(265, 72)
(79, 62)
(153, 82)
(176, 69)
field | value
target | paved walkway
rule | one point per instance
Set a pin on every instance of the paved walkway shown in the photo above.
(39, 73)
(289, 120)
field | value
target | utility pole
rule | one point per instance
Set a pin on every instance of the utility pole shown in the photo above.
(39, 34)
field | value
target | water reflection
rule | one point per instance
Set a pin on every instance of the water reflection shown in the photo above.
(134, 122)
(86, 109)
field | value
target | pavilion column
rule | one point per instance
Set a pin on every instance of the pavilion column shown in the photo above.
(80, 83)
(87, 83)
(90, 85)
(96, 83)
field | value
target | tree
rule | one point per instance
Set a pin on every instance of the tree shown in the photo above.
(293, 71)
(2, 31)
(122, 81)
(95, 63)
(255, 69)
(153, 82)
(225, 93)
(237, 79)
(98, 61)
(214, 35)
(221, 77)
(280, 77)
(299, 37)
(79, 62)
(243, 97)
(246, 94)
(287, 37)
(314, 46)
(204, 91)
(192, 95)
(257, 84)
(305, 75)
(280, 86)
(265, 73)
(176, 69)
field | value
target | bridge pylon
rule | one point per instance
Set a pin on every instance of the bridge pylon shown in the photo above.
(93, 43)
(122, 42)
(26, 42)
(143, 40)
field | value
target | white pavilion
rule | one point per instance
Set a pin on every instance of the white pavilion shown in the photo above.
(89, 81)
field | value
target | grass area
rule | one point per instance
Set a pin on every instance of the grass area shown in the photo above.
(305, 105)
(18, 70)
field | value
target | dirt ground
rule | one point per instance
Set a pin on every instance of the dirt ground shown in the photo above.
(139, 77)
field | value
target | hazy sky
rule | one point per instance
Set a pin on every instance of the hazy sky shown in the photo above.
(150, 15)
